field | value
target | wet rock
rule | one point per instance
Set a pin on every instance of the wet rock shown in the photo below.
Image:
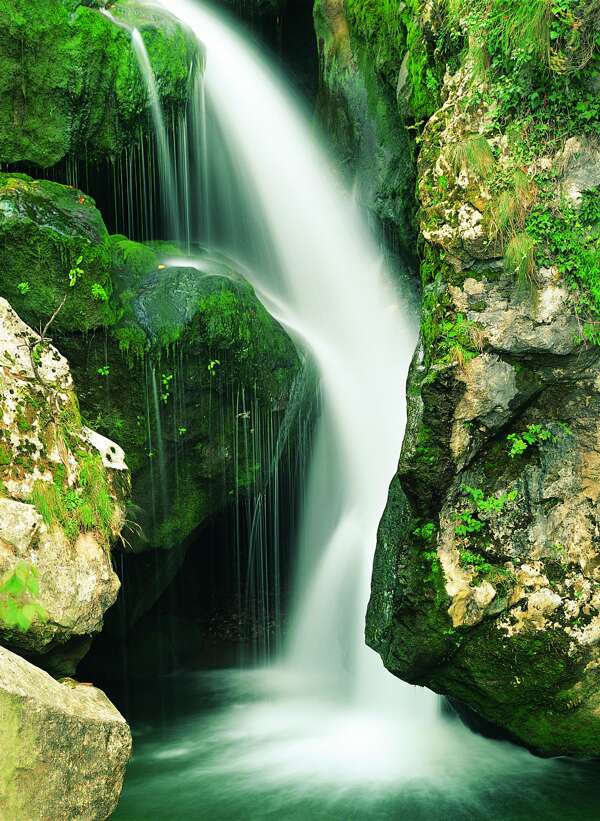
(64, 746)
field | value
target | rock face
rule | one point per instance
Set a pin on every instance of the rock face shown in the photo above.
(69, 80)
(358, 110)
(62, 491)
(486, 584)
(64, 747)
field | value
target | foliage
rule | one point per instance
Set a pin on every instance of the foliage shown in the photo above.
(474, 560)
(569, 239)
(519, 258)
(18, 592)
(468, 521)
(534, 435)
(474, 155)
(87, 506)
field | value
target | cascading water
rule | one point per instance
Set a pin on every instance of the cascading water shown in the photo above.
(327, 718)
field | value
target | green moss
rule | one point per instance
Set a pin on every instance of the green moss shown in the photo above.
(69, 80)
(45, 228)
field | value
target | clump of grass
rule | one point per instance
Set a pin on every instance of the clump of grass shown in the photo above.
(508, 211)
(90, 506)
(473, 155)
(519, 258)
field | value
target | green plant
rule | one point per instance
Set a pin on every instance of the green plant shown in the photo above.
(18, 592)
(468, 521)
(103, 370)
(473, 155)
(474, 560)
(519, 258)
(23, 288)
(568, 239)
(165, 380)
(212, 367)
(75, 272)
(426, 533)
(533, 435)
(99, 292)
(89, 505)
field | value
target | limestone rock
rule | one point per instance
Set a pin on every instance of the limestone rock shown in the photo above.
(64, 748)
(61, 498)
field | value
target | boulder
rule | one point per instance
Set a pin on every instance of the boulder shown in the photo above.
(69, 81)
(64, 746)
(62, 492)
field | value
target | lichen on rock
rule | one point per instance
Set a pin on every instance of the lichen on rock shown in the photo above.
(60, 505)
(64, 748)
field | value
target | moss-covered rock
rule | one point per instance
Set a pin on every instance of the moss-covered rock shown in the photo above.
(62, 493)
(69, 80)
(54, 248)
(358, 109)
(65, 746)
(175, 363)
(486, 577)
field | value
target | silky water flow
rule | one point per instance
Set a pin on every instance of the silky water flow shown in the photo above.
(323, 731)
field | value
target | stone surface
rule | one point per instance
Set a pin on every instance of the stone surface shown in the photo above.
(69, 80)
(486, 579)
(52, 470)
(64, 747)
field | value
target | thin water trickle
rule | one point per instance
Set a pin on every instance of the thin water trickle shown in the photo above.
(168, 177)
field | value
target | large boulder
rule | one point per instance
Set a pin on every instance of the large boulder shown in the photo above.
(62, 492)
(64, 746)
(70, 85)
(184, 346)
(486, 579)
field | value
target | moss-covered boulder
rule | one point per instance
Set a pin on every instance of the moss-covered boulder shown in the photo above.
(174, 363)
(64, 746)
(62, 492)
(54, 250)
(69, 80)
(486, 582)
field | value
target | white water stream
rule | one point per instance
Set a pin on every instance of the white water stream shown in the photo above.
(328, 713)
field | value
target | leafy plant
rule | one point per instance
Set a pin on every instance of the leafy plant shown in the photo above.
(165, 380)
(533, 435)
(212, 366)
(103, 370)
(75, 272)
(468, 520)
(99, 292)
(18, 591)
(23, 288)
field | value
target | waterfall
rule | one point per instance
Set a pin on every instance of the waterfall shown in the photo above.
(328, 711)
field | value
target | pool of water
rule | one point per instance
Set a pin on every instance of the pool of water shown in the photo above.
(231, 745)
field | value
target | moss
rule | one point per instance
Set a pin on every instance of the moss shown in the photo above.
(69, 81)
(46, 231)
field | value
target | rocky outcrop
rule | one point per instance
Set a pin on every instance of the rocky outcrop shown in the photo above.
(62, 492)
(486, 579)
(183, 360)
(357, 108)
(69, 80)
(64, 746)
